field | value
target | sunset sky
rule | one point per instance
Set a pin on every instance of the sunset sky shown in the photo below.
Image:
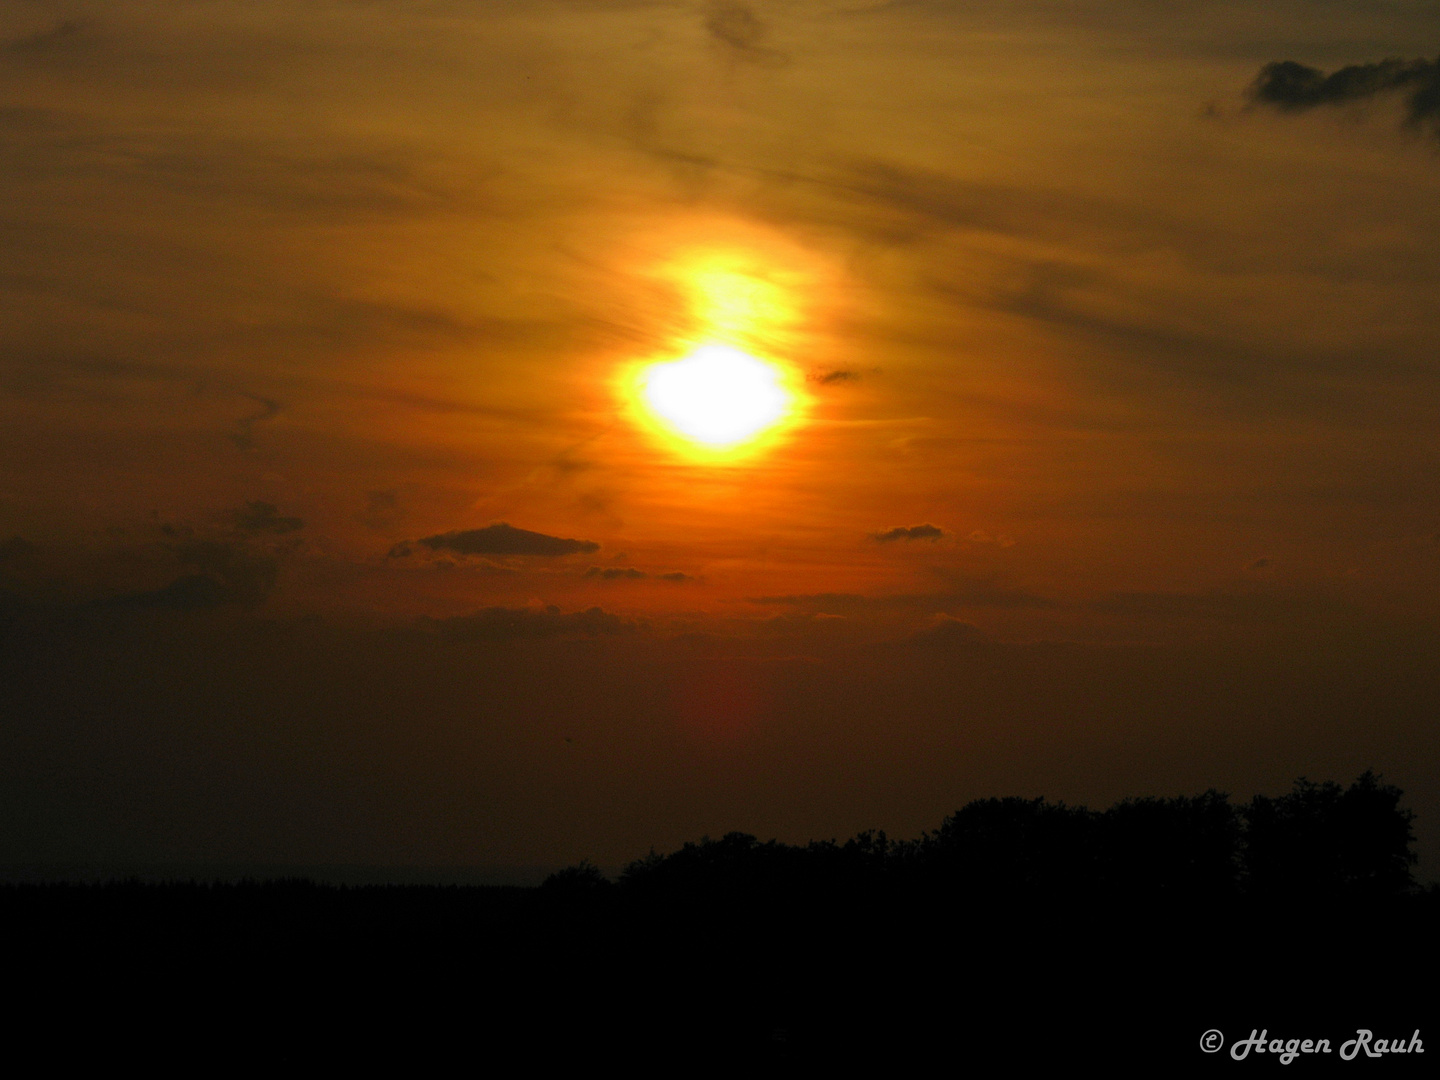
(337, 525)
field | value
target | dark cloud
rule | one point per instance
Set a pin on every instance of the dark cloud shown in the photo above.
(1219, 605)
(382, 510)
(244, 434)
(501, 539)
(225, 574)
(48, 373)
(248, 574)
(43, 42)
(912, 532)
(950, 631)
(500, 623)
(829, 601)
(612, 573)
(962, 592)
(737, 27)
(629, 573)
(986, 592)
(193, 592)
(980, 536)
(263, 517)
(830, 378)
(1291, 86)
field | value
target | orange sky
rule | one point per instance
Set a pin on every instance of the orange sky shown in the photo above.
(297, 297)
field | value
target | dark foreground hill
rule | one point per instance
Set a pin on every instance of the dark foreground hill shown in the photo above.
(1019, 931)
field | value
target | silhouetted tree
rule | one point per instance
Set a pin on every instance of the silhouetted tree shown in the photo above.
(1012, 846)
(1324, 841)
(735, 866)
(1185, 848)
(582, 879)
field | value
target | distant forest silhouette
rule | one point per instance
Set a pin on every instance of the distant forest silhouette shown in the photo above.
(1320, 841)
(1057, 934)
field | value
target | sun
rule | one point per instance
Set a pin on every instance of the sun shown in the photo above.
(720, 387)
(717, 397)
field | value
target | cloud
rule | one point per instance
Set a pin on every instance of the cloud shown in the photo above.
(920, 201)
(500, 539)
(629, 573)
(963, 592)
(612, 573)
(950, 631)
(1293, 87)
(828, 600)
(244, 434)
(262, 517)
(43, 42)
(501, 623)
(985, 592)
(225, 574)
(1143, 323)
(913, 532)
(382, 510)
(193, 592)
(737, 27)
(831, 378)
(1219, 605)
(980, 536)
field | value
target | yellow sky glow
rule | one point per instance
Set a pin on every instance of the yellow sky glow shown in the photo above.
(721, 393)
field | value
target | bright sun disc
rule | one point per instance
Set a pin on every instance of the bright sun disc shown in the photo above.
(717, 396)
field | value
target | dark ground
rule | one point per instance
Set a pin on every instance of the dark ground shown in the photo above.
(1021, 936)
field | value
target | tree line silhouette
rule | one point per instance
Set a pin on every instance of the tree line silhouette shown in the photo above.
(1019, 923)
(1318, 842)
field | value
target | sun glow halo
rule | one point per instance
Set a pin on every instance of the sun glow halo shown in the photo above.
(718, 396)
